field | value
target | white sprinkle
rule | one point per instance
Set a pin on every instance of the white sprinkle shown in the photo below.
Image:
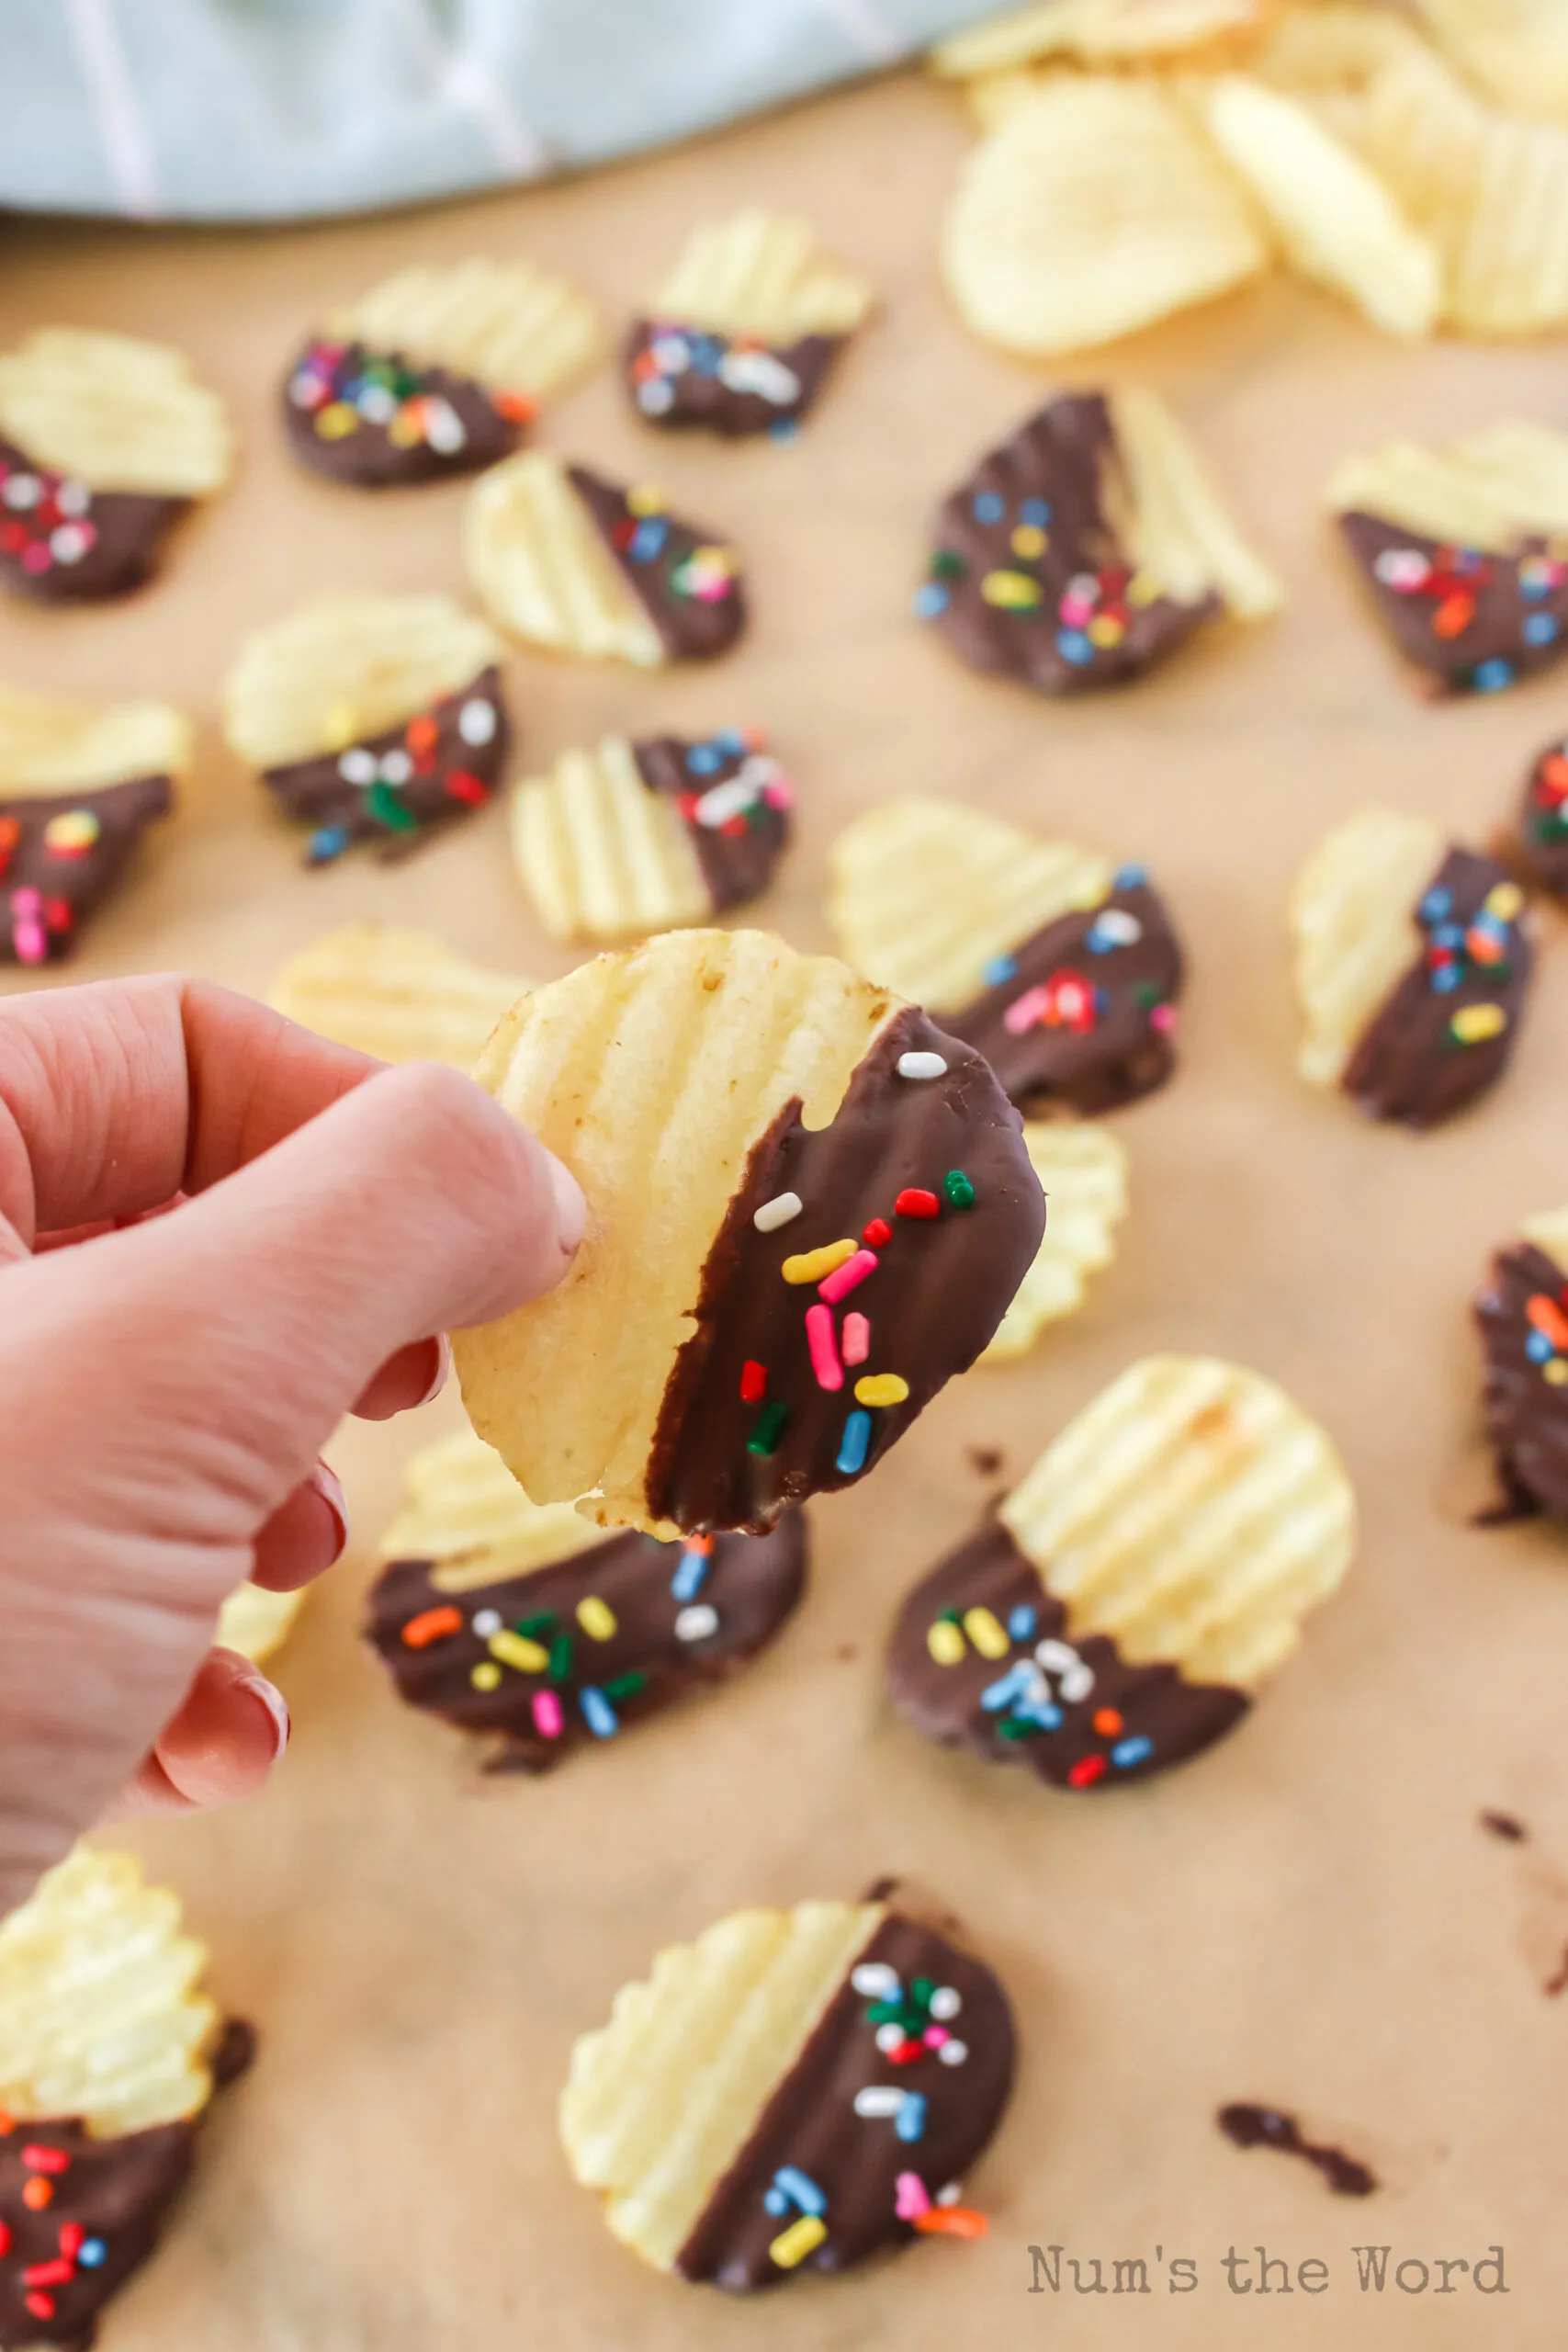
(376, 405)
(922, 1066)
(696, 1623)
(946, 2002)
(476, 721)
(953, 2054)
(879, 2098)
(486, 1621)
(357, 765)
(722, 801)
(443, 428)
(396, 767)
(68, 543)
(890, 2036)
(23, 491)
(761, 372)
(74, 498)
(948, 2196)
(1117, 925)
(778, 1211)
(655, 397)
(875, 1981)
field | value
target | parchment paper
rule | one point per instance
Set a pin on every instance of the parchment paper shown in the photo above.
(1309, 1915)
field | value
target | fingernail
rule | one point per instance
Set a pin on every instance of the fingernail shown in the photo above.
(443, 1367)
(327, 1484)
(257, 1686)
(571, 1209)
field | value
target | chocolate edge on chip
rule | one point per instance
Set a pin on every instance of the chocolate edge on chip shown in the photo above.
(1522, 1317)
(1543, 821)
(1472, 620)
(379, 421)
(681, 376)
(687, 581)
(735, 802)
(395, 788)
(62, 854)
(62, 542)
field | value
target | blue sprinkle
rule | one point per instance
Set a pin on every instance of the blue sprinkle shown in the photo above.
(1021, 1622)
(91, 2252)
(329, 842)
(1097, 941)
(1128, 1752)
(1101, 1001)
(1446, 978)
(775, 2202)
(1129, 877)
(707, 354)
(1447, 934)
(598, 1713)
(703, 759)
(1039, 1711)
(1073, 647)
(800, 2189)
(1436, 903)
(930, 598)
(1540, 629)
(856, 1443)
(691, 1575)
(1467, 560)
(1000, 969)
(1035, 510)
(1013, 1683)
(1532, 586)
(784, 428)
(1539, 1348)
(988, 507)
(910, 2121)
(731, 742)
(647, 539)
(1491, 677)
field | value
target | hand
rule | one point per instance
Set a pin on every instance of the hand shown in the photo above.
(218, 1234)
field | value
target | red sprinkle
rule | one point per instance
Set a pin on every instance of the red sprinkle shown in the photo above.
(58, 2273)
(905, 2053)
(952, 2221)
(430, 1626)
(1086, 1772)
(912, 1201)
(877, 1234)
(5, 2237)
(39, 2159)
(468, 788)
(71, 2236)
(40, 2306)
(754, 1382)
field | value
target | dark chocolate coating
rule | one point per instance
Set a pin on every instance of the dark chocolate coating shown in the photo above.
(1060, 475)
(1407, 1065)
(751, 1582)
(471, 430)
(857, 2161)
(939, 1289)
(682, 376)
(1102, 1036)
(738, 857)
(1159, 1717)
(439, 775)
(1474, 622)
(1527, 1413)
(62, 543)
(47, 892)
(662, 561)
(1246, 2125)
(1543, 821)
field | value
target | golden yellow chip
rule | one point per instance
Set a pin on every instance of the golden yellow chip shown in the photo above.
(1333, 48)
(1176, 527)
(1351, 917)
(510, 325)
(114, 413)
(403, 996)
(1548, 1232)
(257, 1622)
(1490, 491)
(99, 2015)
(1095, 32)
(468, 1515)
(1516, 51)
(59, 747)
(1089, 211)
(762, 275)
(544, 572)
(1083, 1174)
(601, 854)
(342, 667)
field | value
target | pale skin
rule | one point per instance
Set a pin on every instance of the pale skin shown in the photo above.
(218, 1235)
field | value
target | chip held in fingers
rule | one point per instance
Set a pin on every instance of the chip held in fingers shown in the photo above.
(808, 1207)
(108, 2054)
(567, 560)
(1122, 1609)
(257, 1622)
(1522, 1317)
(436, 371)
(1413, 966)
(518, 1622)
(1087, 549)
(796, 2090)
(1083, 1173)
(373, 719)
(643, 836)
(1062, 968)
(403, 996)
(743, 333)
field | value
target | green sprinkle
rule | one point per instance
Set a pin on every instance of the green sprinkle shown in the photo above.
(541, 1622)
(1012, 1727)
(921, 1991)
(769, 1429)
(625, 1686)
(1145, 994)
(560, 1657)
(389, 810)
(959, 1190)
(948, 564)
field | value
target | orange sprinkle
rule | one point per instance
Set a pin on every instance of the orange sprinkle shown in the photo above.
(1554, 772)
(7, 2124)
(516, 407)
(37, 2193)
(1549, 1317)
(422, 734)
(1107, 1721)
(1454, 614)
(702, 1544)
(431, 1626)
(952, 2221)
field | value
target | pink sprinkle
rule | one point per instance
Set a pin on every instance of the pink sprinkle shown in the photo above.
(1163, 1017)
(28, 933)
(547, 1714)
(857, 1339)
(824, 1354)
(36, 557)
(779, 793)
(911, 2197)
(1025, 1010)
(1076, 610)
(845, 1277)
(934, 2036)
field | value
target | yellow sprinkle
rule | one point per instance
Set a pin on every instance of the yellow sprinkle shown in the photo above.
(1473, 1023)
(792, 2246)
(945, 1642)
(1504, 899)
(1555, 1371)
(1028, 540)
(812, 1264)
(516, 1649)
(985, 1633)
(485, 1675)
(1143, 588)
(1014, 592)
(881, 1389)
(1105, 630)
(342, 726)
(76, 829)
(596, 1618)
(336, 420)
(645, 498)
(406, 430)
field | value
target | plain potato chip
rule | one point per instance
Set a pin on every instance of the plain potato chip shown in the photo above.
(341, 667)
(1177, 529)
(1096, 32)
(1350, 915)
(1516, 51)
(600, 855)
(1090, 211)
(50, 747)
(114, 413)
(466, 1514)
(403, 996)
(760, 275)
(255, 1622)
(1333, 48)
(1488, 490)
(509, 326)
(542, 570)
(1083, 1174)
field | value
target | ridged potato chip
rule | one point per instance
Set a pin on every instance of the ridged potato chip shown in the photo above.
(1090, 211)
(510, 325)
(403, 996)
(114, 413)
(99, 2015)
(1488, 490)
(257, 1622)
(1351, 917)
(1083, 1174)
(1096, 32)
(1333, 48)
(1335, 220)
(1179, 531)
(760, 275)
(1514, 50)
(466, 1514)
(346, 666)
(48, 748)
(600, 855)
(543, 571)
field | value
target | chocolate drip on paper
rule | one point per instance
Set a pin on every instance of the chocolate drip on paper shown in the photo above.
(750, 1586)
(1030, 577)
(1473, 621)
(1409, 1066)
(1543, 821)
(391, 451)
(810, 2125)
(1250, 2126)
(396, 787)
(682, 376)
(940, 1287)
(1526, 1406)
(738, 854)
(61, 857)
(686, 580)
(1133, 1721)
(1102, 1034)
(62, 542)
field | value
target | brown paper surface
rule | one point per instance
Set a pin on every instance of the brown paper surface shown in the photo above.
(1310, 1915)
